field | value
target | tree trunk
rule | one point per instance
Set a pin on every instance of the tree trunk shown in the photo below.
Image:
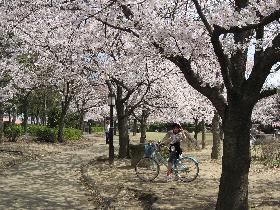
(82, 124)
(25, 114)
(61, 126)
(64, 108)
(45, 110)
(123, 137)
(1, 122)
(216, 147)
(10, 115)
(115, 129)
(122, 125)
(196, 128)
(105, 123)
(233, 190)
(134, 127)
(203, 135)
(221, 131)
(14, 116)
(143, 125)
(62, 122)
(37, 119)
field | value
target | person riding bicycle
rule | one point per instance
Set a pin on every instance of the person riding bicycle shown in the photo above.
(173, 139)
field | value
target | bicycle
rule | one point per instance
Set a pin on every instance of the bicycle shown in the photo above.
(147, 168)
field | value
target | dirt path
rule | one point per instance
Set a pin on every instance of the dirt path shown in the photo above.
(77, 177)
(50, 182)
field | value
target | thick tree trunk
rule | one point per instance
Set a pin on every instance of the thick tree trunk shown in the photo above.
(123, 137)
(61, 126)
(233, 190)
(122, 125)
(143, 125)
(134, 127)
(82, 124)
(64, 107)
(216, 147)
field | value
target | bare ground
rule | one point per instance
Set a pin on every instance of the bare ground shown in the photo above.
(78, 176)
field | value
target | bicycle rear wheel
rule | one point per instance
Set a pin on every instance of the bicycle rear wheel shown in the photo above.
(147, 169)
(187, 169)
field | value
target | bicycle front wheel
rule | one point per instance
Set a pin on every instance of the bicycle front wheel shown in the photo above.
(147, 169)
(187, 169)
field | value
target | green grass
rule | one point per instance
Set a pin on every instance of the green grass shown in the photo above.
(151, 136)
(156, 136)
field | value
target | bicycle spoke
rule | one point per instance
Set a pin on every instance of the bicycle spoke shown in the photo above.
(187, 169)
(147, 169)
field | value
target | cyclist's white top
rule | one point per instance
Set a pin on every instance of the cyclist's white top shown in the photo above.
(171, 138)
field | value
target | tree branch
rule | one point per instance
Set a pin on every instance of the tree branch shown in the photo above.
(267, 93)
(118, 27)
(212, 93)
(202, 16)
(218, 48)
(235, 29)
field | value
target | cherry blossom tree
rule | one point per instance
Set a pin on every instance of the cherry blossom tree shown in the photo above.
(8, 52)
(132, 82)
(90, 97)
(266, 111)
(62, 46)
(208, 41)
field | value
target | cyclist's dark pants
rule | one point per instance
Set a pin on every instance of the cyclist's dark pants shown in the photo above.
(174, 153)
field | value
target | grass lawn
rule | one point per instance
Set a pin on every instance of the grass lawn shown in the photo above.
(155, 136)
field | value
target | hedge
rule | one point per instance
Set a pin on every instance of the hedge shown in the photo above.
(97, 129)
(46, 134)
(12, 132)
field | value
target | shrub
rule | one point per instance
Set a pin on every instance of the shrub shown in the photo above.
(72, 134)
(12, 132)
(46, 134)
(157, 127)
(268, 153)
(43, 133)
(32, 129)
(97, 129)
(271, 154)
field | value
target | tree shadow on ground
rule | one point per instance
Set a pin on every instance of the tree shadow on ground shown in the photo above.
(49, 183)
(151, 195)
(265, 194)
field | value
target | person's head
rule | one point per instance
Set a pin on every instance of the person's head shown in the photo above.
(176, 127)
